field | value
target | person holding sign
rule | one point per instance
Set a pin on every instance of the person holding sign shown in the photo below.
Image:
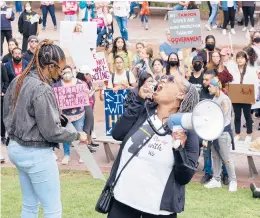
(244, 75)
(34, 127)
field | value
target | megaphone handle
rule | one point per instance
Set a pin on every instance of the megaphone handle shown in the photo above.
(176, 144)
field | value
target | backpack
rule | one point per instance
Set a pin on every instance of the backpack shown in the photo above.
(127, 75)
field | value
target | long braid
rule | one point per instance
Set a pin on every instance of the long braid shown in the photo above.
(190, 100)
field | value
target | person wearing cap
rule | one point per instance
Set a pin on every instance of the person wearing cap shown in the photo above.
(197, 75)
(221, 146)
(33, 42)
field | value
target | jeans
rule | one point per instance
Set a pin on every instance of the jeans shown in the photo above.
(39, 180)
(5, 34)
(25, 43)
(229, 15)
(178, 7)
(78, 124)
(247, 114)
(122, 24)
(51, 10)
(132, 7)
(213, 18)
(70, 17)
(223, 154)
(144, 19)
(101, 33)
(249, 12)
(18, 6)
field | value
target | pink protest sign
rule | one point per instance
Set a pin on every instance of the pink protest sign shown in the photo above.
(101, 71)
(100, 22)
(72, 96)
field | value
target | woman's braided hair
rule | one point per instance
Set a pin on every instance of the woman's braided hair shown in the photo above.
(46, 54)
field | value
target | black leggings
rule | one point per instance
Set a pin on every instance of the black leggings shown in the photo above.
(120, 210)
(249, 12)
(247, 114)
(229, 15)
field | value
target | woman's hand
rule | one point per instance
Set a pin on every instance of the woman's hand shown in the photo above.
(146, 91)
(180, 135)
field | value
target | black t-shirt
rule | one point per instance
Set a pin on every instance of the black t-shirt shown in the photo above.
(198, 82)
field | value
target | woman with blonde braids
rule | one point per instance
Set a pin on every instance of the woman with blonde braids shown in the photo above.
(34, 127)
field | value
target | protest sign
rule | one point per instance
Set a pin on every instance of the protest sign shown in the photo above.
(114, 107)
(241, 93)
(101, 71)
(71, 96)
(100, 22)
(185, 29)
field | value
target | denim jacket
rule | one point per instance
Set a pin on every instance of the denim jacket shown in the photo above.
(225, 5)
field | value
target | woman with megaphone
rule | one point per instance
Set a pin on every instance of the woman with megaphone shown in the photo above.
(148, 177)
(221, 147)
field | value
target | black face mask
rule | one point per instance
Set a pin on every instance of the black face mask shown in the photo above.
(173, 63)
(257, 40)
(197, 67)
(210, 47)
(17, 60)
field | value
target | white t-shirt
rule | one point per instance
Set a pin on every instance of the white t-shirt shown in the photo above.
(143, 181)
(121, 79)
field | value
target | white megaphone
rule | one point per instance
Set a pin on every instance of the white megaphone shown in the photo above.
(207, 120)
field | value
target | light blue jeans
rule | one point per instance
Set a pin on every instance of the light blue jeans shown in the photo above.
(213, 17)
(70, 17)
(78, 124)
(39, 180)
(122, 24)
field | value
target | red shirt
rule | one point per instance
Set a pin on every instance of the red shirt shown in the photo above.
(68, 5)
(18, 68)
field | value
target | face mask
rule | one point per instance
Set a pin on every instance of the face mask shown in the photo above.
(197, 68)
(173, 63)
(67, 76)
(28, 8)
(17, 60)
(210, 47)
(257, 40)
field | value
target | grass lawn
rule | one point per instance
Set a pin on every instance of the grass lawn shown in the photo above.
(80, 192)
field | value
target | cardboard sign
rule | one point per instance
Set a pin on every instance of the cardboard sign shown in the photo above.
(241, 93)
(101, 71)
(72, 96)
(114, 107)
(185, 28)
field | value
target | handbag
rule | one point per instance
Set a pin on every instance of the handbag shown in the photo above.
(106, 198)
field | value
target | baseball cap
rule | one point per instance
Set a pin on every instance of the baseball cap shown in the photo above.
(225, 51)
(85, 69)
(197, 59)
(33, 37)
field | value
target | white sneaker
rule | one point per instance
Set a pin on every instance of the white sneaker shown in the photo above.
(93, 135)
(214, 26)
(224, 32)
(208, 27)
(132, 17)
(65, 160)
(81, 161)
(232, 186)
(244, 29)
(128, 44)
(236, 138)
(213, 183)
(248, 139)
(252, 29)
(233, 31)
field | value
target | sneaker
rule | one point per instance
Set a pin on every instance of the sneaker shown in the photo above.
(43, 28)
(252, 29)
(93, 135)
(255, 190)
(55, 28)
(65, 160)
(225, 180)
(233, 31)
(215, 27)
(132, 17)
(2, 159)
(244, 29)
(91, 150)
(248, 139)
(213, 183)
(206, 178)
(128, 44)
(146, 26)
(224, 32)
(93, 146)
(110, 41)
(232, 186)
(208, 27)
(81, 161)
(236, 138)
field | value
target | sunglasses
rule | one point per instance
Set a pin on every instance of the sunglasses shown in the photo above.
(164, 78)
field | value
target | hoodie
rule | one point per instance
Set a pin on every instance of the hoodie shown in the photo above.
(6, 23)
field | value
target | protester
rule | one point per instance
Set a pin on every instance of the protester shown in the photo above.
(99, 5)
(229, 8)
(166, 48)
(197, 75)
(192, 5)
(158, 69)
(210, 46)
(33, 137)
(166, 175)
(121, 12)
(87, 9)
(212, 21)
(173, 65)
(244, 75)
(133, 5)
(33, 43)
(145, 64)
(226, 59)
(252, 56)
(17, 65)
(7, 15)
(121, 78)
(255, 44)
(145, 12)
(221, 146)
(69, 9)
(119, 48)
(12, 43)
(139, 47)
(48, 6)
(18, 7)
(255, 190)
(181, 5)
(28, 24)
(248, 8)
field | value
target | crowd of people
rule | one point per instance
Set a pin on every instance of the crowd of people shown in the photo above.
(182, 81)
